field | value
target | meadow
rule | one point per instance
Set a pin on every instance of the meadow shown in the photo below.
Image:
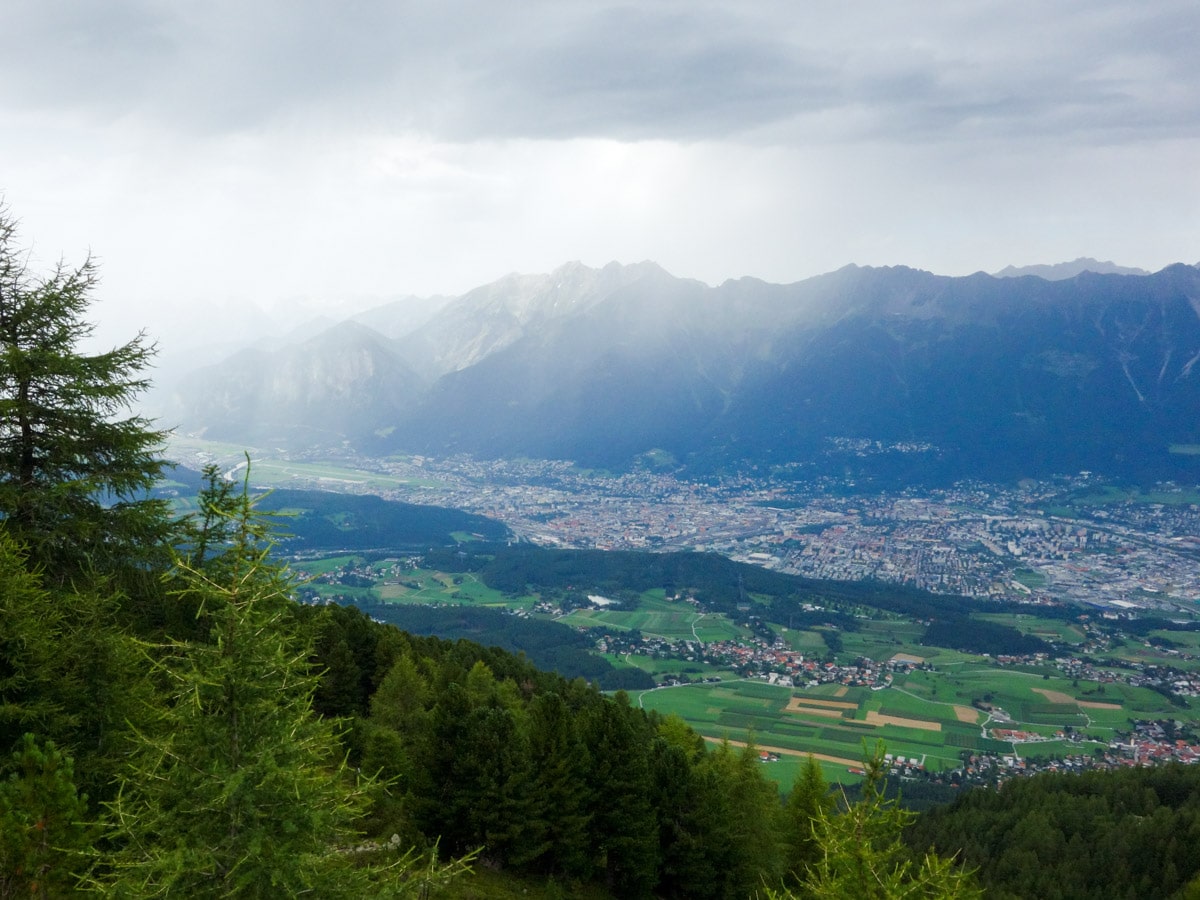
(655, 616)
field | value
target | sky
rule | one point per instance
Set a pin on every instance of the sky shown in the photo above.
(241, 162)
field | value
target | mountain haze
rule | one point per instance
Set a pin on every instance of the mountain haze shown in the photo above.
(876, 372)
(1059, 271)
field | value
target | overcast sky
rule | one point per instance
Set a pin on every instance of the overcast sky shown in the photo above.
(296, 155)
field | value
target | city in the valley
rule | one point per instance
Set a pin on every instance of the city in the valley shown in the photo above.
(1078, 537)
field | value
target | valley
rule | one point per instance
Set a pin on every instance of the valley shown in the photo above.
(777, 662)
(1079, 538)
(950, 718)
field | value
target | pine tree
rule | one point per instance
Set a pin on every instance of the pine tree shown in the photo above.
(861, 856)
(67, 672)
(623, 827)
(240, 790)
(744, 818)
(75, 465)
(807, 804)
(556, 832)
(45, 843)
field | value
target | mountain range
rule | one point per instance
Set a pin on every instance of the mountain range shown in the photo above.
(876, 373)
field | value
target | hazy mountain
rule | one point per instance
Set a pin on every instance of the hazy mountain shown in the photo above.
(402, 317)
(1063, 270)
(491, 317)
(887, 372)
(344, 383)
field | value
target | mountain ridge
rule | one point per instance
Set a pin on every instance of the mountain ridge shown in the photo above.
(1023, 375)
(1063, 270)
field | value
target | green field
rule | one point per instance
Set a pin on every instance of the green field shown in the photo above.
(660, 669)
(752, 710)
(1108, 494)
(935, 716)
(413, 586)
(268, 470)
(657, 617)
(924, 715)
(1047, 629)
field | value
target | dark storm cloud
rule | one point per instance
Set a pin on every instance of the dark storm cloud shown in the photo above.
(674, 71)
(644, 73)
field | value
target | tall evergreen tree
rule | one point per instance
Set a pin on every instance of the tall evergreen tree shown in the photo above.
(861, 856)
(45, 843)
(67, 672)
(808, 803)
(557, 828)
(624, 828)
(75, 464)
(240, 790)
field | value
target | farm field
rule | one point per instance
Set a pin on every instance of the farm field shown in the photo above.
(1047, 629)
(671, 620)
(926, 716)
(880, 640)
(413, 586)
(661, 669)
(797, 723)
(269, 471)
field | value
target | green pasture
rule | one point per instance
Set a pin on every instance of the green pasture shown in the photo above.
(1186, 655)
(881, 639)
(1137, 651)
(286, 473)
(1109, 494)
(897, 701)
(873, 646)
(947, 660)
(893, 630)
(754, 710)
(1188, 641)
(661, 668)
(1044, 750)
(839, 692)
(325, 565)
(657, 617)
(809, 642)
(1018, 694)
(712, 629)
(356, 594)
(1047, 629)
(1030, 578)
(432, 586)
